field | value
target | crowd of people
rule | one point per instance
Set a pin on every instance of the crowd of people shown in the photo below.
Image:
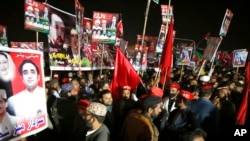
(82, 108)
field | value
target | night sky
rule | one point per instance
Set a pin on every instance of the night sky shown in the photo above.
(193, 19)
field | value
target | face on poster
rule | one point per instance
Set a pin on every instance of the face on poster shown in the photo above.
(36, 16)
(79, 11)
(87, 29)
(161, 38)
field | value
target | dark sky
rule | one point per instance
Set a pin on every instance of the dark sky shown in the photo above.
(193, 19)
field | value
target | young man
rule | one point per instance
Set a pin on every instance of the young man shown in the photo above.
(30, 102)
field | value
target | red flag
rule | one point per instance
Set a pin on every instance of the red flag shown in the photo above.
(242, 113)
(124, 74)
(166, 58)
(119, 32)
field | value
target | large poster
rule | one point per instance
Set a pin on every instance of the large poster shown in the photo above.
(36, 16)
(67, 53)
(212, 47)
(226, 22)
(22, 93)
(64, 47)
(104, 27)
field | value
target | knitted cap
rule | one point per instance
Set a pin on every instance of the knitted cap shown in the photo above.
(97, 108)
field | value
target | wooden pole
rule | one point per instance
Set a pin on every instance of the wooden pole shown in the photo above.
(182, 68)
(165, 75)
(145, 22)
(79, 51)
(101, 59)
(237, 70)
(202, 65)
(37, 39)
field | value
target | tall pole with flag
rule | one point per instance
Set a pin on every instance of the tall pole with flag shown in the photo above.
(124, 75)
(166, 58)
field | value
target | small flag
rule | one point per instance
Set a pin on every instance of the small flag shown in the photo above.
(156, 1)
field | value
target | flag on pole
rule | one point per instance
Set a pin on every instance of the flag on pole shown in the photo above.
(242, 113)
(119, 32)
(124, 75)
(166, 58)
(156, 1)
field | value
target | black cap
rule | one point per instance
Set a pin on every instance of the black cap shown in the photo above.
(150, 101)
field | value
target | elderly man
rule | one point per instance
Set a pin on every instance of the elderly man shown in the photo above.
(122, 107)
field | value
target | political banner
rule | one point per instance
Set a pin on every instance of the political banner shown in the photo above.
(167, 13)
(161, 38)
(22, 93)
(211, 48)
(27, 45)
(226, 22)
(185, 56)
(87, 30)
(79, 12)
(104, 27)
(36, 16)
(239, 57)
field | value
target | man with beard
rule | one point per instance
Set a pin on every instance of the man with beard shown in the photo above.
(105, 97)
(74, 51)
(226, 110)
(94, 117)
(57, 31)
(122, 107)
(140, 126)
(169, 103)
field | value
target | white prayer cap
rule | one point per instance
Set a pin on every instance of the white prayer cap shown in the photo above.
(204, 78)
(3, 93)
